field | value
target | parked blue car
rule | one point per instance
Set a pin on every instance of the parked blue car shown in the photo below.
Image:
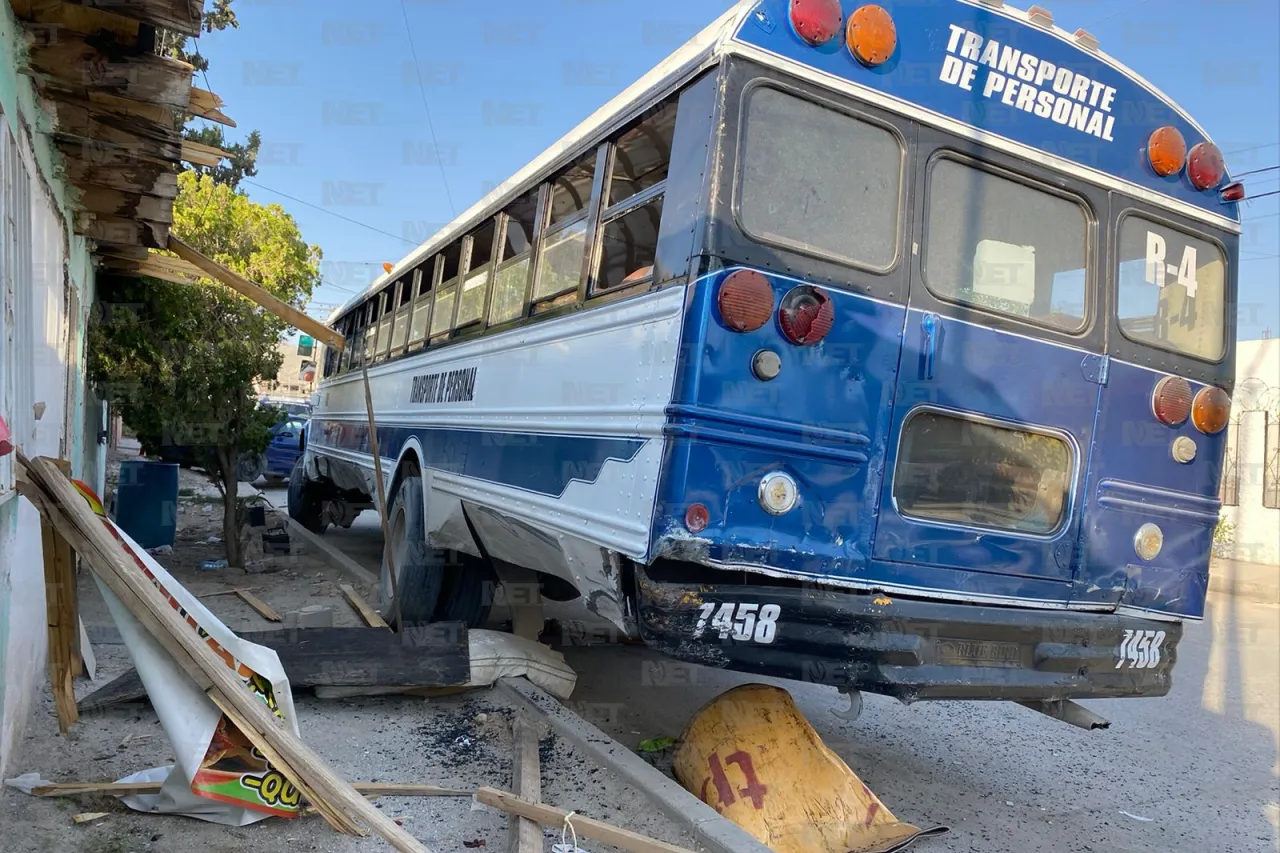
(288, 440)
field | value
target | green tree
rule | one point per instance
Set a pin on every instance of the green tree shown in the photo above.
(179, 361)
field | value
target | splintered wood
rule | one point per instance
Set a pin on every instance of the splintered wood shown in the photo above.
(63, 619)
(340, 804)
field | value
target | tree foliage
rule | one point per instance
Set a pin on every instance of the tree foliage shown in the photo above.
(179, 361)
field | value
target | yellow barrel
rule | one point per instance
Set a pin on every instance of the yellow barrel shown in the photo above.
(753, 757)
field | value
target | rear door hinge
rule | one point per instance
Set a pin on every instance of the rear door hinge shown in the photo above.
(1096, 368)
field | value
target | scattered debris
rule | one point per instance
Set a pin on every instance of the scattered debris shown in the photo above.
(89, 817)
(31, 783)
(362, 608)
(311, 616)
(623, 839)
(213, 540)
(526, 778)
(656, 744)
(1137, 817)
(161, 550)
(264, 610)
(213, 565)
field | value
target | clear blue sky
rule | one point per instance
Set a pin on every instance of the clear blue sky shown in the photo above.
(333, 88)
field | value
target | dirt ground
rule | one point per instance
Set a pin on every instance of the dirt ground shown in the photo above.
(460, 741)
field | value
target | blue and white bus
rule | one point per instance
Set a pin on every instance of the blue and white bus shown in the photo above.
(888, 347)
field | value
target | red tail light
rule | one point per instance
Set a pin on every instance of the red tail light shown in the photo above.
(816, 22)
(696, 518)
(1205, 166)
(806, 315)
(745, 301)
(1211, 410)
(1171, 401)
(1233, 192)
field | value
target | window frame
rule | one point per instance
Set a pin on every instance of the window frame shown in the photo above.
(481, 323)
(387, 318)
(1067, 514)
(1230, 272)
(991, 167)
(610, 215)
(546, 232)
(786, 87)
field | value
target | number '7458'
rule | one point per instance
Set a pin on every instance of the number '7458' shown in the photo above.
(743, 622)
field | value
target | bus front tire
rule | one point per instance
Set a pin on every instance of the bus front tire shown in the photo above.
(305, 504)
(420, 570)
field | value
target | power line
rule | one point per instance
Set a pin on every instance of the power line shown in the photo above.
(330, 212)
(1254, 172)
(1264, 195)
(444, 178)
(1119, 11)
(1253, 148)
(1263, 216)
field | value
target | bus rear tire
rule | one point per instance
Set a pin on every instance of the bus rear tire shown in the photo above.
(305, 504)
(420, 570)
(467, 595)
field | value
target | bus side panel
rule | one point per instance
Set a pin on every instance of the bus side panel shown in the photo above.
(1135, 480)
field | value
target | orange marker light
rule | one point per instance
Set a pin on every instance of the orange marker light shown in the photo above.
(871, 35)
(1211, 410)
(1167, 151)
(386, 267)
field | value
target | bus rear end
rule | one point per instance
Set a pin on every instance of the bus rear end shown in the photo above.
(948, 419)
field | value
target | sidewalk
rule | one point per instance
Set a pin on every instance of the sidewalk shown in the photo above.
(1254, 581)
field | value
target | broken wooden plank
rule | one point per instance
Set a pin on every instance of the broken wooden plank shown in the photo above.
(344, 808)
(434, 655)
(526, 778)
(257, 294)
(127, 789)
(206, 105)
(62, 618)
(178, 15)
(201, 154)
(264, 610)
(73, 62)
(89, 817)
(235, 591)
(585, 827)
(367, 613)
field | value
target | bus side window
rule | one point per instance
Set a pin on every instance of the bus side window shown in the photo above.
(404, 304)
(475, 283)
(637, 181)
(371, 327)
(446, 294)
(347, 327)
(356, 342)
(390, 299)
(564, 243)
(427, 281)
(510, 284)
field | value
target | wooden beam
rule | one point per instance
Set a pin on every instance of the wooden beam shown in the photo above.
(361, 607)
(181, 16)
(62, 618)
(83, 63)
(526, 777)
(145, 178)
(264, 610)
(257, 294)
(623, 839)
(206, 105)
(201, 154)
(125, 232)
(126, 205)
(434, 655)
(58, 16)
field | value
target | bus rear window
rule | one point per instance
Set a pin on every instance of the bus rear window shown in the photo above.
(1006, 246)
(978, 474)
(818, 181)
(1172, 286)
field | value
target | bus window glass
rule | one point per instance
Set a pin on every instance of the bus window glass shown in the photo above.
(1002, 245)
(818, 181)
(971, 473)
(629, 245)
(400, 330)
(571, 192)
(560, 264)
(508, 293)
(1171, 289)
(642, 155)
(442, 313)
(520, 222)
(476, 283)
(421, 308)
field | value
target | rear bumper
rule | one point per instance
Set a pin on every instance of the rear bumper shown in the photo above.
(908, 649)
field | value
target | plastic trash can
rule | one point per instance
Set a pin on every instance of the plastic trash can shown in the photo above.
(147, 502)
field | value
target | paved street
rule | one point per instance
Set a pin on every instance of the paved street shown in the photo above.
(1194, 771)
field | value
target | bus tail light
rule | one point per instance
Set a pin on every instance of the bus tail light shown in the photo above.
(1211, 410)
(1171, 401)
(1167, 151)
(696, 518)
(871, 35)
(806, 315)
(745, 300)
(1205, 166)
(1233, 192)
(816, 22)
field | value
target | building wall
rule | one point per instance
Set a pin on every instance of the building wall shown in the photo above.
(47, 291)
(1256, 403)
(287, 385)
